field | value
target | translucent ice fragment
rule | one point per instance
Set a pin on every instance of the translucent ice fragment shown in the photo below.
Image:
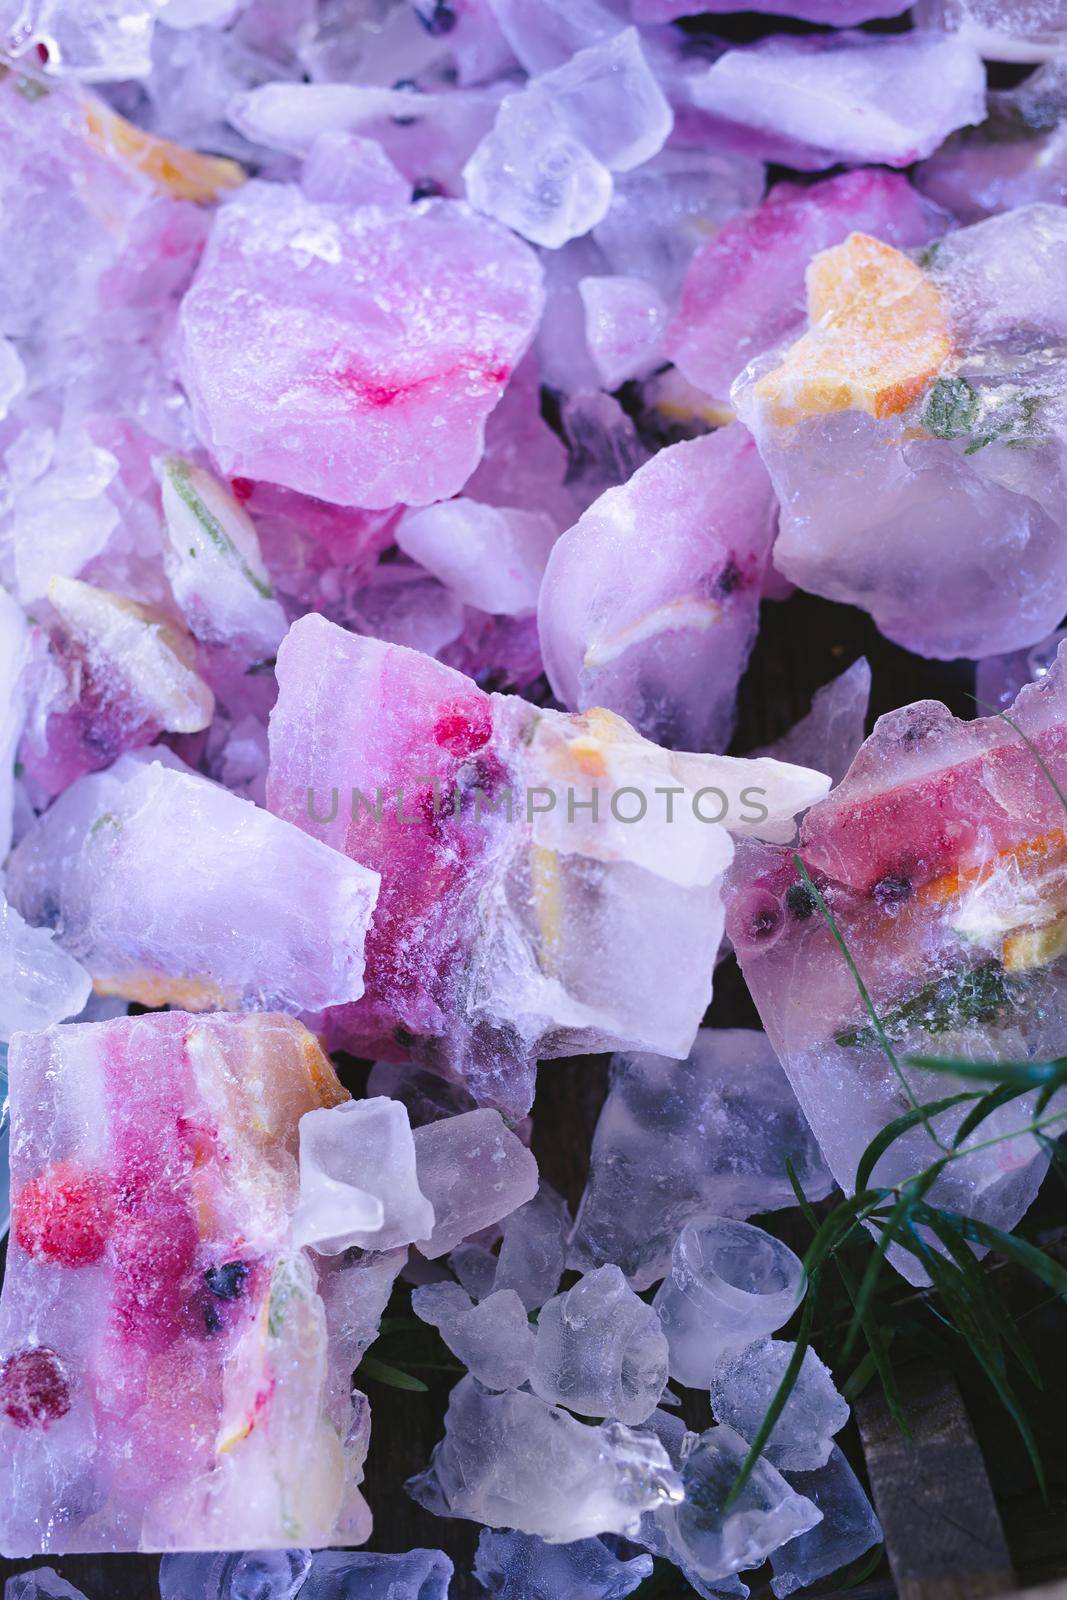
(409, 1575)
(848, 1527)
(348, 169)
(545, 168)
(547, 33)
(262, 1574)
(490, 557)
(624, 323)
(716, 1541)
(650, 602)
(146, 663)
(214, 565)
(744, 1384)
(153, 1184)
(39, 982)
(41, 1583)
(531, 1250)
(998, 679)
(474, 1171)
(610, 100)
(259, 914)
(744, 289)
(730, 1283)
(855, 97)
(94, 40)
(493, 1339)
(957, 426)
(709, 1135)
(490, 1467)
(531, 173)
(1002, 30)
(518, 1566)
(600, 1350)
(328, 324)
(661, 211)
(357, 1179)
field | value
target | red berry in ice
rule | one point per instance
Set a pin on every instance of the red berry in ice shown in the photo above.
(34, 1389)
(464, 728)
(63, 1216)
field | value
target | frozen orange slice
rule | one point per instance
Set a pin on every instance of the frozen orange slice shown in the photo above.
(879, 334)
(185, 174)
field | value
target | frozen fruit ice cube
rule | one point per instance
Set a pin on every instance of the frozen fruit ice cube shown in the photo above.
(348, 332)
(259, 914)
(185, 1388)
(744, 290)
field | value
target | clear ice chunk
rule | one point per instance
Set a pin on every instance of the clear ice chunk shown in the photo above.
(729, 1283)
(474, 1171)
(600, 1350)
(848, 1528)
(239, 1575)
(677, 1140)
(513, 1461)
(518, 1566)
(348, 1574)
(39, 982)
(744, 1384)
(715, 1542)
(41, 1583)
(358, 1184)
(493, 1339)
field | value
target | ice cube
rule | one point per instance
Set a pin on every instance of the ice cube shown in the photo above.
(600, 1350)
(730, 1283)
(744, 1384)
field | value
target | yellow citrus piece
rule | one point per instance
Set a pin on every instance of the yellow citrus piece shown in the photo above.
(185, 174)
(155, 989)
(879, 335)
(1035, 947)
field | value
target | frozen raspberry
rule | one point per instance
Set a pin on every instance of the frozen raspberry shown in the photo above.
(63, 1216)
(464, 728)
(34, 1389)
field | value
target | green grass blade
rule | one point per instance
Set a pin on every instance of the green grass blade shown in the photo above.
(901, 1125)
(382, 1372)
(1020, 1074)
(876, 1021)
(1026, 1255)
(989, 1102)
(781, 1395)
